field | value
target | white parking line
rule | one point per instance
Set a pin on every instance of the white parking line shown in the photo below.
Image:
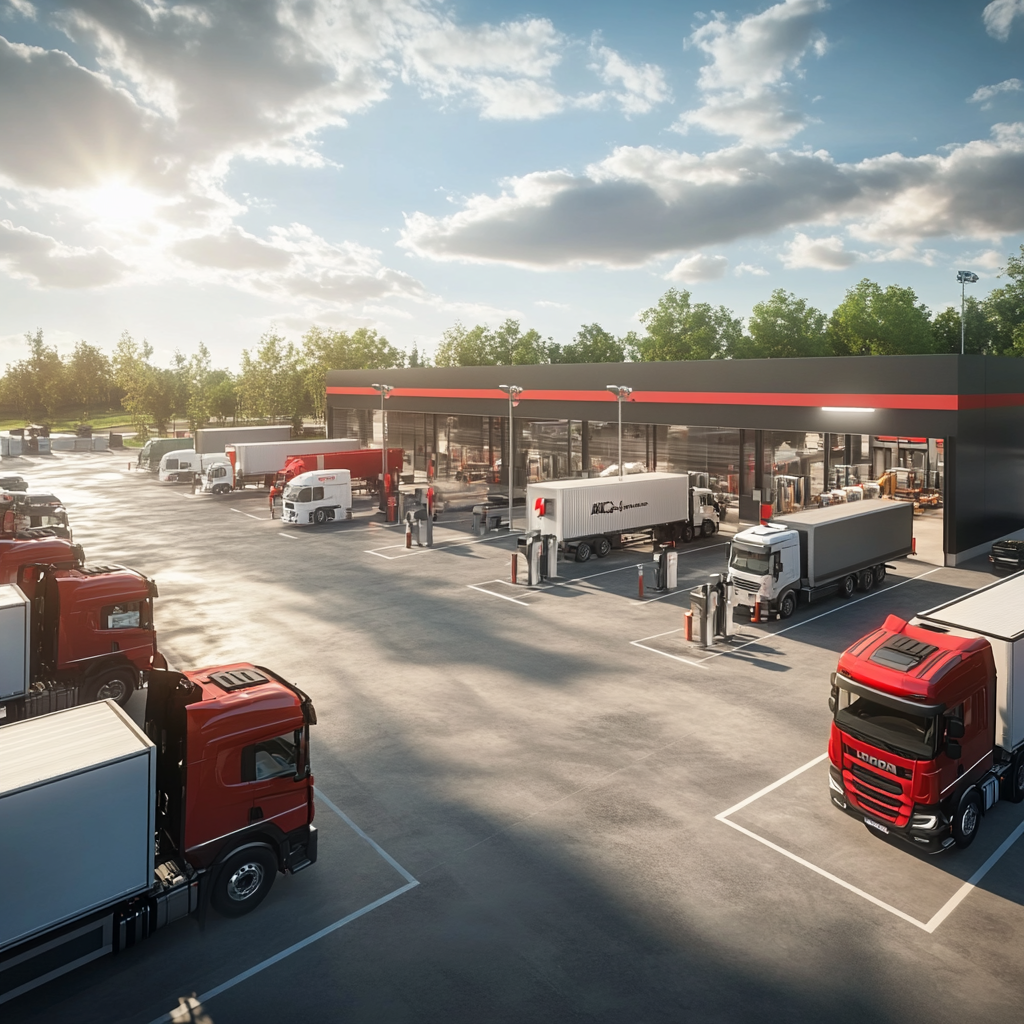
(249, 514)
(928, 926)
(288, 536)
(410, 883)
(504, 597)
(415, 550)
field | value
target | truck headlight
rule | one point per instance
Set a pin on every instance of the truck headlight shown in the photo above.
(926, 822)
(832, 784)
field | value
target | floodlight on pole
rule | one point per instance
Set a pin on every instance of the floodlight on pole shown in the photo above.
(621, 393)
(513, 391)
(383, 390)
(965, 277)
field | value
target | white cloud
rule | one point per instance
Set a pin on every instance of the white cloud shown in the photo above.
(985, 94)
(698, 268)
(750, 268)
(640, 86)
(24, 8)
(745, 89)
(45, 262)
(546, 304)
(817, 253)
(999, 15)
(642, 202)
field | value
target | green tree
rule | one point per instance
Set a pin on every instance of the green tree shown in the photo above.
(783, 326)
(983, 334)
(162, 396)
(270, 384)
(883, 322)
(510, 346)
(591, 344)
(132, 374)
(89, 374)
(1004, 307)
(679, 329)
(461, 346)
(222, 394)
(37, 387)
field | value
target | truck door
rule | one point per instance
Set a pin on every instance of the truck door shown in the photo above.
(277, 770)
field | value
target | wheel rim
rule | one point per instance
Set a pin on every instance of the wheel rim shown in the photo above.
(969, 821)
(245, 880)
(112, 689)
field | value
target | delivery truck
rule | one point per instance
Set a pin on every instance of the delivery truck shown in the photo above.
(108, 832)
(596, 515)
(212, 440)
(259, 463)
(179, 467)
(73, 635)
(818, 552)
(363, 464)
(317, 498)
(156, 448)
(928, 719)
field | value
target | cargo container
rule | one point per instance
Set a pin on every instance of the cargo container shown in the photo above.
(108, 832)
(363, 463)
(928, 719)
(259, 463)
(211, 440)
(817, 553)
(594, 516)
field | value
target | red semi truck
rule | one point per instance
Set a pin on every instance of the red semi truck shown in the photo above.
(928, 719)
(17, 551)
(74, 635)
(364, 464)
(109, 832)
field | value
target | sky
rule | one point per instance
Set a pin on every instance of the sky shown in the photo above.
(208, 172)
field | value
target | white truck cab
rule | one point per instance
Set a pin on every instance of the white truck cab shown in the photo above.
(216, 479)
(764, 563)
(182, 465)
(704, 516)
(317, 497)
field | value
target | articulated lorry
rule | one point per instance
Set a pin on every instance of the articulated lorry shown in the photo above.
(212, 440)
(362, 463)
(109, 832)
(928, 719)
(596, 515)
(259, 463)
(73, 635)
(819, 552)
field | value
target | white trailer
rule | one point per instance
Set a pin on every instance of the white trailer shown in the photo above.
(593, 516)
(261, 462)
(179, 467)
(211, 440)
(318, 497)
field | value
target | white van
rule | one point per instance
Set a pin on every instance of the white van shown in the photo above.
(317, 497)
(180, 466)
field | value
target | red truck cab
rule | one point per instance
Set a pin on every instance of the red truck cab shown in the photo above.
(17, 551)
(235, 796)
(912, 734)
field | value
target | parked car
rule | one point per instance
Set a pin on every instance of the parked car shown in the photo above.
(13, 482)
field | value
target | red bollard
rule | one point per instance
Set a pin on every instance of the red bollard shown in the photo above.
(408, 534)
(515, 564)
(913, 545)
(688, 626)
(756, 617)
(640, 581)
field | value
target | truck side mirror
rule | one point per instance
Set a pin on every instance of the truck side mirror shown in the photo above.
(953, 750)
(954, 728)
(832, 702)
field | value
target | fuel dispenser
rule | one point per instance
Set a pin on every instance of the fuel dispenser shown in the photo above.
(530, 546)
(711, 608)
(549, 556)
(668, 568)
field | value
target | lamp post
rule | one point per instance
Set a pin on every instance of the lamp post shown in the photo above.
(965, 277)
(383, 390)
(513, 391)
(621, 392)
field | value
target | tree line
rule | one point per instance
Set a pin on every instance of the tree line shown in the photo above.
(281, 381)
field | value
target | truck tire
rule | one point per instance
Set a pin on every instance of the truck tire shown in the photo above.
(602, 547)
(583, 551)
(847, 587)
(687, 533)
(867, 580)
(221, 489)
(967, 819)
(243, 881)
(117, 683)
(787, 604)
(320, 516)
(1013, 786)
(707, 528)
(879, 574)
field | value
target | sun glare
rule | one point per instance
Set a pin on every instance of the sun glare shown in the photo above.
(119, 205)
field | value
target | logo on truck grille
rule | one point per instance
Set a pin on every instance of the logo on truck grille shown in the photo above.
(877, 762)
(602, 508)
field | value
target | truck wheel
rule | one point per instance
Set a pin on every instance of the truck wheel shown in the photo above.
(848, 586)
(114, 684)
(583, 551)
(320, 516)
(879, 574)
(787, 605)
(707, 528)
(968, 817)
(867, 579)
(602, 547)
(687, 533)
(244, 881)
(1013, 787)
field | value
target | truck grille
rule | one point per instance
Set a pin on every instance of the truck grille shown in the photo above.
(877, 795)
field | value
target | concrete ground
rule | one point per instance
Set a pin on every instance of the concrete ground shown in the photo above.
(538, 805)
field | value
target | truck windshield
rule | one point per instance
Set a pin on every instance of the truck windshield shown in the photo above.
(293, 492)
(755, 560)
(902, 732)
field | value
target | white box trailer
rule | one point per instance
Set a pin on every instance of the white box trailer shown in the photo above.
(15, 638)
(211, 440)
(76, 817)
(593, 515)
(995, 612)
(260, 462)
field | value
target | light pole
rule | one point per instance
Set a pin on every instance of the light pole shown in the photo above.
(513, 391)
(383, 390)
(965, 277)
(621, 392)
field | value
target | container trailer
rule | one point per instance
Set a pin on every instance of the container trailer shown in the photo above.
(212, 440)
(260, 463)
